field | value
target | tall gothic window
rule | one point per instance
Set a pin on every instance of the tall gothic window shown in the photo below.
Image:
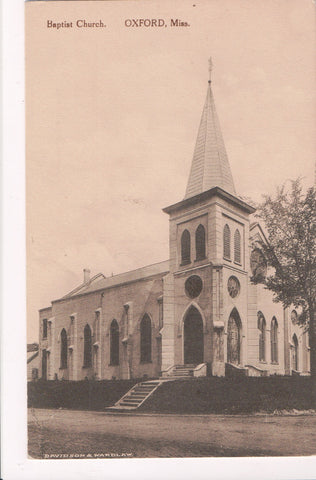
(63, 349)
(262, 337)
(226, 241)
(234, 338)
(185, 248)
(44, 328)
(114, 343)
(237, 247)
(274, 340)
(145, 339)
(200, 242)
(87, 348)
(295, 353)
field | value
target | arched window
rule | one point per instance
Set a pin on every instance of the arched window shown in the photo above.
(145, 339)
(63, 349)
(200, 242)
(294, 316)
(295, 353)
(44, 328)
(185, 248)
(237, 247)
(114, 343)
(226, 241)
(274, 340)
(87, 348)
(262, 337)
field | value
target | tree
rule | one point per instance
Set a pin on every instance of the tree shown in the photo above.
(290, 220)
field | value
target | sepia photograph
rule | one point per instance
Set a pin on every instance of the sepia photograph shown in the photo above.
(170, 229)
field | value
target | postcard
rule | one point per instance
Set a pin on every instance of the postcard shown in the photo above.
(169, 165)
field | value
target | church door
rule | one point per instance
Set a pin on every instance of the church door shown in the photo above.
(193, 337)
(233, 339)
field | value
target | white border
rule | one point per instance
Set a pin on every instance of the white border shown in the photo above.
(15, 464)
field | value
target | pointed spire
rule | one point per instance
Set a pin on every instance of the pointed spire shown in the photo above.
(210, 68)
(210, 167)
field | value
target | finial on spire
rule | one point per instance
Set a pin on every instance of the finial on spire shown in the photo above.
(210, 68)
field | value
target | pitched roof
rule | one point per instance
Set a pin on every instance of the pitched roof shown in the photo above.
(84, 286)
(210, 167)
(31, 356)
(32, 347)
(100, 282)
(257, 232)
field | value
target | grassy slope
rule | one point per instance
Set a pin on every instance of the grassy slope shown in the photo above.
(224, 395)
(199, 395)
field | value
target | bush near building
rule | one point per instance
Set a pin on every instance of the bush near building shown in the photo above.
(224, 395)
(201, 395)
(83, 395)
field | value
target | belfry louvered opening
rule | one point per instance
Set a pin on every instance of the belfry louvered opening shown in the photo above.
(200, 242)
(185, 248)
(237, 247)
(226, 241)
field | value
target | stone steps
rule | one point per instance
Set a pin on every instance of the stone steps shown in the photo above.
(141, 391)
(182, 371)
(136, 396)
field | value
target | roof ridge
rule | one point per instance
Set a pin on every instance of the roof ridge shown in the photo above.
(81, 291)
(83, 284)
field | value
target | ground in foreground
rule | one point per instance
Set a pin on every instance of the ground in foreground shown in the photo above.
(73, 434)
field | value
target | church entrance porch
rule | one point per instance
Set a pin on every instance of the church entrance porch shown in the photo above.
(193, 341)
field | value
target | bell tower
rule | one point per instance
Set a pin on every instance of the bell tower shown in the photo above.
(209, 229)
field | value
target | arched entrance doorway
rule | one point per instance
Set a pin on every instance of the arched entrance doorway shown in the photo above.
(233, 338)
(193, 344)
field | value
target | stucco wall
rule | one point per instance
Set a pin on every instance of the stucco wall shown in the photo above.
(141, 297)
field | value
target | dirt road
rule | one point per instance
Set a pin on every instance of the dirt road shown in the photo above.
(60, 431)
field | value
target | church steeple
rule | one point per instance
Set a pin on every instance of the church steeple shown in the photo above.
(210, 167)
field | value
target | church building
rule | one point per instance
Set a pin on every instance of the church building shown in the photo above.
(197, 311)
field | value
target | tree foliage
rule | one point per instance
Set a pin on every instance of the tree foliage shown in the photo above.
(290, 220)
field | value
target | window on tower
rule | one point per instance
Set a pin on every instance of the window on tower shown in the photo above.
(226, 241)
(200, 242)
(185, 248)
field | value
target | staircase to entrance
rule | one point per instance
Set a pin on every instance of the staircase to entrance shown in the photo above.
(137, 395)
(179, 371)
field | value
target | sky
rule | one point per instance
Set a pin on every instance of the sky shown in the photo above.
(112, 116)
